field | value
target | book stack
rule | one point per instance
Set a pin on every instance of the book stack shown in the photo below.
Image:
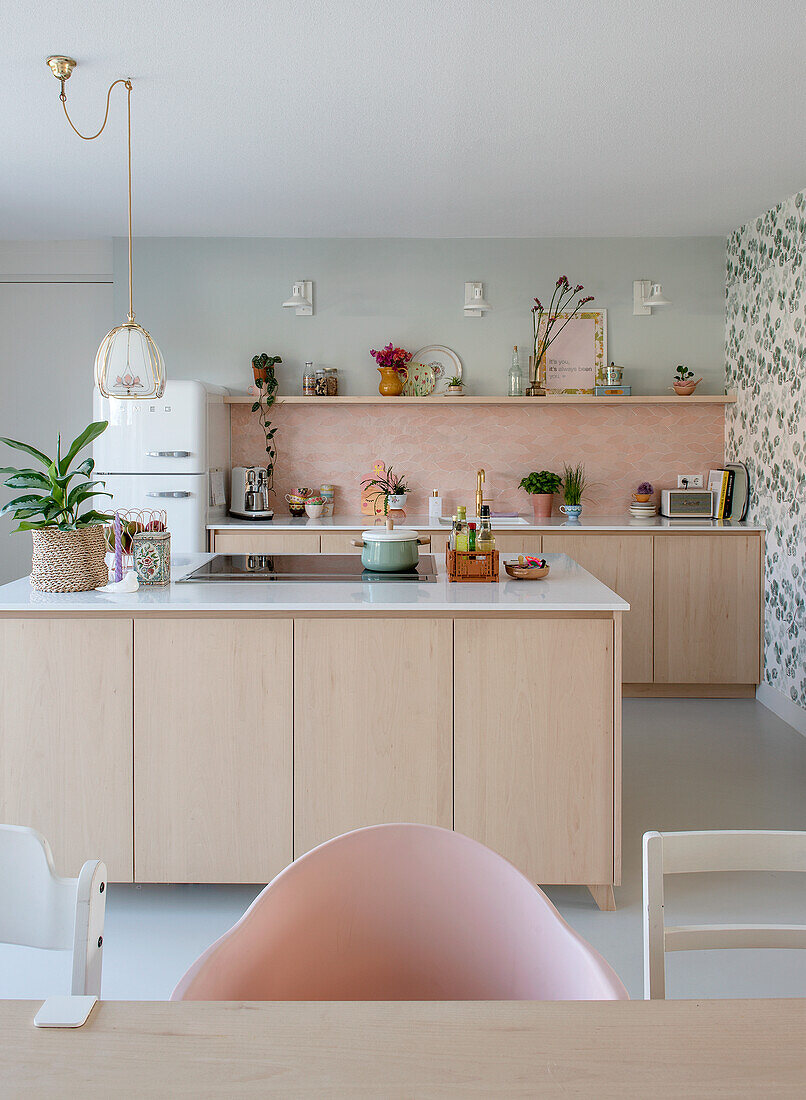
(720, 482)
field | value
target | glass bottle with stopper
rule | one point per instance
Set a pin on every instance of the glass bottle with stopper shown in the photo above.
(515, 375)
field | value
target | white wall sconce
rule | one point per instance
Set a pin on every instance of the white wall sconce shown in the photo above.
(645, 295)
(475, 305)
(301, 298)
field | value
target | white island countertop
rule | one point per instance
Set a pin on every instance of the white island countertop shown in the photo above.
(523, 522)
(568, 588)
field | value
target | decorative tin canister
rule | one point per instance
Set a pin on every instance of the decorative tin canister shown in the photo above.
(152, 557)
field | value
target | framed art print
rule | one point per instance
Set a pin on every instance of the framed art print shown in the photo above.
(576, 359)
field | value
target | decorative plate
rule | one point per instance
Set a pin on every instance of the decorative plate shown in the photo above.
(421, 382)
(443, 362)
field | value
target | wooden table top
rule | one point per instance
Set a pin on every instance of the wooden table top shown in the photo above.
(405, 1049)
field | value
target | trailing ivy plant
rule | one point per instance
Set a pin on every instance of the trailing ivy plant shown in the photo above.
(54, 503)
(266, 382)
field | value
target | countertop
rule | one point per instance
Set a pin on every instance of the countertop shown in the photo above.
(568, 587)
(353, 521)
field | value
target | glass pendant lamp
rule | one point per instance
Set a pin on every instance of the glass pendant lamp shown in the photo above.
(129, 365)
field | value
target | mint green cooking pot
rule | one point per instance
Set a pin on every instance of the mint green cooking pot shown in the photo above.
(390, 549)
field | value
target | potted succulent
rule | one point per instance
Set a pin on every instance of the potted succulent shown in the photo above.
(390, 487)
(682, 381)
(644, 492)
(266, 384)
(454, 387)
(392, 368)
(574, 485)
(69, 545)
(542, 486)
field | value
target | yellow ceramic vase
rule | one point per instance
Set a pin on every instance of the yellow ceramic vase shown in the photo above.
(392, 380)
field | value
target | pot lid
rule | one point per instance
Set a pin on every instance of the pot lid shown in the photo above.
(389, 533)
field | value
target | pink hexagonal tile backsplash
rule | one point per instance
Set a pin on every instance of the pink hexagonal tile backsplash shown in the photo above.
(442, 447)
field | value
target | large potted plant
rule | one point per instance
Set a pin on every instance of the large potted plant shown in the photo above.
(69, 546)
(542, 486)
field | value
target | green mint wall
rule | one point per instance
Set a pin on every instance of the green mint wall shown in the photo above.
(212, 303)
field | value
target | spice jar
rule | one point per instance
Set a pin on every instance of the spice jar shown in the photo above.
(320, 383)
(332, 381)
(309, 381)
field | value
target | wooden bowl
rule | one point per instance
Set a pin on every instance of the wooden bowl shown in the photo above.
(526, 572)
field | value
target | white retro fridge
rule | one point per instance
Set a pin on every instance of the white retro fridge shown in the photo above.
(171, 453)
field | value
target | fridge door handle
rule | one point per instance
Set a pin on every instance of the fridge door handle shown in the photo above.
(168, 454)
(173, 496)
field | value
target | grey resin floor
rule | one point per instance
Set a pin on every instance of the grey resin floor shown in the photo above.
(688, 764)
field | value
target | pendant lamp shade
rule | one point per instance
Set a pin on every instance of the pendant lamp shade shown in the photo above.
(129, 364)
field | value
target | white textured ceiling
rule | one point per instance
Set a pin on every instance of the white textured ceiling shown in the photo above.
(411, 118)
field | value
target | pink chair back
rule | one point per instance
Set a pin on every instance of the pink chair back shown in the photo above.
(400, 912)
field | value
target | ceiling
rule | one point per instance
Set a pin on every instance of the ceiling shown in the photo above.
(411, 118)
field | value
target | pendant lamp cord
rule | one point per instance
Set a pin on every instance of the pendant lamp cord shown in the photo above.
(91, 137)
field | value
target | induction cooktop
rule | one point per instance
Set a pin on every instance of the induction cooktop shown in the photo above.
(303, 567)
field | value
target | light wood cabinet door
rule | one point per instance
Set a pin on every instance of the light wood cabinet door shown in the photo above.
(266, 542)
(66, 722)
(707, 609)
(212, 749)
(534, 744)
(624, 564)
(510, 542)
(341, 542)
(372, 725)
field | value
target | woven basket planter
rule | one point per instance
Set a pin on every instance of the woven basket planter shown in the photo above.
(69, 561)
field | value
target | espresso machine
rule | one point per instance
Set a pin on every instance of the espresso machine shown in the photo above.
(250, 493)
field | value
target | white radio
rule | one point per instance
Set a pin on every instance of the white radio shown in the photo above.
(687, 503)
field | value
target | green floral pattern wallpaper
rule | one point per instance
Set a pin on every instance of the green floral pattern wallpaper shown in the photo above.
(765, 344)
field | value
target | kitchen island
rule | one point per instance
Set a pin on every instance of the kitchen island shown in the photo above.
(213, 732)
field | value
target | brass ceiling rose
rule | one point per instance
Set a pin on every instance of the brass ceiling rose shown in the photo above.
(61, 67)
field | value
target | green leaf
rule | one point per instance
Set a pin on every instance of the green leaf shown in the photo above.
(85, 468)
(32, 451)
(256, 406)
(85, 495)
(87, 519)
(28, 479)
(25, 526)
(81, 491)
(29, 500)
(91, 432)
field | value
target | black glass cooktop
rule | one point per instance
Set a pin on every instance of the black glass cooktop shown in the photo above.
(303, 567)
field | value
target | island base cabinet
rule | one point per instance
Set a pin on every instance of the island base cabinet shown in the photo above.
(212, 749)
(372, 725)
(66, 721)
(535, 741)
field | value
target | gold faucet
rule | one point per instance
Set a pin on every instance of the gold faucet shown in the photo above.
(480, 477)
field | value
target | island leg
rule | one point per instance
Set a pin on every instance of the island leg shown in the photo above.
(604, 898)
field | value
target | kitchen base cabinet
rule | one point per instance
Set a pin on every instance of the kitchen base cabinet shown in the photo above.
(212, 749)
(66, 722)
(373, 724)
(707, 596)
(624, 564)
(266, 542)
(536, 736)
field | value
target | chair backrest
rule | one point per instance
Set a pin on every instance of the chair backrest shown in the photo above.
(400, 912)
(723, 850)
(40, 909)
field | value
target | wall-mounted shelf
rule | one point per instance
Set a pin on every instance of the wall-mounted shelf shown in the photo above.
(532, 402)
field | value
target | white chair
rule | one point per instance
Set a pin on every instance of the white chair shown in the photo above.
(724, 850)
(40, 909)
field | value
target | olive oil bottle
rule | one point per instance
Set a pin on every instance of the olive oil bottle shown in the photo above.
(485, 539)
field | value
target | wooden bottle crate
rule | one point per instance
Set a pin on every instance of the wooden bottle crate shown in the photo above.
(470, 565)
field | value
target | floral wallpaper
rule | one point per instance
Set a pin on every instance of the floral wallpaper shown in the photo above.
(765, 344)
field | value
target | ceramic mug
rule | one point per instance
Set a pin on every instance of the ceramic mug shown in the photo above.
(571, 510)
(314, 511)
(303, 492)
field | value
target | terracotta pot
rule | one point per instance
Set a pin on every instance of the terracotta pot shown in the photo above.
(542, 503)
(642, 498)
(686, 389)
(392, 380)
